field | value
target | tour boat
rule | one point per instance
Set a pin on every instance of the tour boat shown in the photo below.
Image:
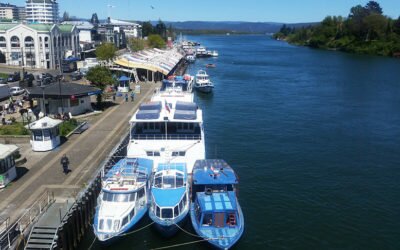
(214, 210)
(123, 199)
(191, 58)
(202, 52)
(169, 198)
(169, 128)
(214, 53)
(202, 82)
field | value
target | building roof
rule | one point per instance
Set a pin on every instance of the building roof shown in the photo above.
(64, 90)
(7, 26)
(66, 28)
(41, 1)
(6, 150)
(40, 27)
(45, 122)
(122, 23)
(82, 25)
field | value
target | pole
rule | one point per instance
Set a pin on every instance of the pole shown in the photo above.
(44, 105)
(59, 88)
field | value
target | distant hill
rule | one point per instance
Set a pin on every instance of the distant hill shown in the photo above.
(246, 27)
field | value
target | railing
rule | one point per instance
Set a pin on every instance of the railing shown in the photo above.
(166, 137)
(12, 232)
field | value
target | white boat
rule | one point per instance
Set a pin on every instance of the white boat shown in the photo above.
(191, 58)
(123, 199)
(169, 129)
(202, 52)
(203, 82)
(214, 53)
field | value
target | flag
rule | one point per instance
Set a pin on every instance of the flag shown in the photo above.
(167, 106)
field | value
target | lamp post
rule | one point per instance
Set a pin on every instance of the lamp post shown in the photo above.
(44, 105)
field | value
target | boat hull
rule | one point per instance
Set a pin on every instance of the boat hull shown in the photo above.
(204, 89)
(168, 231)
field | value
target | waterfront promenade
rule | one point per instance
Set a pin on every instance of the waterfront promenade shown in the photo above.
(85, 152)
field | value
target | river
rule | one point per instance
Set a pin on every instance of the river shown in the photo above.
(314, 136)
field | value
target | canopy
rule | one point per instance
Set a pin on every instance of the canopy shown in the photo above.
(124, 78)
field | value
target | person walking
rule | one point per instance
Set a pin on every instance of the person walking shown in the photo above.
(64, 163)
(132, 96)
(126, 97)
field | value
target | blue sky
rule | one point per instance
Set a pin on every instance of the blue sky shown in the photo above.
(289, 11)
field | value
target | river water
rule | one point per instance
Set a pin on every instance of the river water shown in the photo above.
(315, 138)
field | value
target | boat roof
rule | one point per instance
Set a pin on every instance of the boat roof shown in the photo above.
(172, 112)
(168, 197)
(213, 172)
(172, 166)
(216, 202)
(201, 73)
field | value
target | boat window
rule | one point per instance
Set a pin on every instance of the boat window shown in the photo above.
(101, 224)
(107, 196)
(141, 193)
(197, 212)
(207, 220)
(181, 206)
(132, 197)
(109, 224)
(132, 214)
(231, 219)
(179, 180)
(166, 213)
(176, 210)
(125, 221)
(219, 219)
(168, 181)
(184, 200)
(158, 211)
(158, 180)
(121, 197)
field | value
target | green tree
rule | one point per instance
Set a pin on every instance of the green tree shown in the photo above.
(106, 51)
(147, 28)
(396, 26)
(373, 7)
(94, 20)
(376, 25)
(161, 29)
(100, 76)
(136, 44)
(156, 41)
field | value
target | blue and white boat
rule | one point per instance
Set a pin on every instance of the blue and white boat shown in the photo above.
(169, 197)
(215, 211)
(123, 199)
(203, 82)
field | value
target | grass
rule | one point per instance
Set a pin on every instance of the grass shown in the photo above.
(14, 129)
(3, 75)
(67, 126)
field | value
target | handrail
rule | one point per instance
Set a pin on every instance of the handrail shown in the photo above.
(165, 137)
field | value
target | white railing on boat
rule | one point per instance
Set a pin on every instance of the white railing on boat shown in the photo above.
(165, 137)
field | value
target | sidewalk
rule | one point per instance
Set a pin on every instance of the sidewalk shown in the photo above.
(85, 152)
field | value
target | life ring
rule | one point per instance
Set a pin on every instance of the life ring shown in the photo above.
(208, 191)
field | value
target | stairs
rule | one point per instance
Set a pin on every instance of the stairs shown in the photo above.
(42, 238)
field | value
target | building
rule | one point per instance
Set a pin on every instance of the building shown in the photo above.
(87, 32)
(21, 13)
(42, 11)
(8, 11)
(131, 29)
(117, 31)
(64, 97)
(37, 45)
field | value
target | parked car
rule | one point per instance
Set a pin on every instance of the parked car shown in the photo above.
(75, 76)
(16, 90)
(14, 77)
(3, 80)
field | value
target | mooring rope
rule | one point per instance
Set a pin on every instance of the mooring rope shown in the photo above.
(94, 240)
(183, 244)
(137, 230)
(189, 233)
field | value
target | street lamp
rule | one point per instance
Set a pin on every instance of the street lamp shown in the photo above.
(44, 107)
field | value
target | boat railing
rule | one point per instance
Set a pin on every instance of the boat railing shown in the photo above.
(165, 137)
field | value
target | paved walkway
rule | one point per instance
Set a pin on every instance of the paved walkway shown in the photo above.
(85, 152)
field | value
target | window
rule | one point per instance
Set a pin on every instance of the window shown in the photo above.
(176, 211)
(3, 43)
(3, 168)
(101, 224)
(179, 180)
(29, 42)
(47, 134)
(141, 193)
(166, 213)
(37, 135)
(158, 211)
(207, 220)
(74, 102)
(125, 221)
(46, 44)
(15, 42)
(132, 197)
(132, 214)
(121, 197)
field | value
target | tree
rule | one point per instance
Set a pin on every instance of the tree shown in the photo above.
(396, 26)
(373, 7)
(147, 28)
(136, 44)
(94, 20)
(100, 76)
(161, 29)
(106, 51)
(66, 16)
(376, 25)
(156, 41)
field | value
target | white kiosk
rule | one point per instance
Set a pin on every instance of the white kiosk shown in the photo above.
(123, 84)
(45, 134)
(8, 172)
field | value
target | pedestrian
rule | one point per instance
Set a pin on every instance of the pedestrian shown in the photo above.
(114, 97)
(126, 97)
(64, 163)
(132, 96)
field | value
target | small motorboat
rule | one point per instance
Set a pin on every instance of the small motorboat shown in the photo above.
(203, 82)
(215, 211)
(210, 65)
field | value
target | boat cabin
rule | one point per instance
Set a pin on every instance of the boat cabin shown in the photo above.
(8, 170)
(45, 134)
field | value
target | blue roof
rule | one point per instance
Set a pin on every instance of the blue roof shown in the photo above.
(130, 166)
(168, 197)
(177, 166)
(185, 114)
(150, 106)
(213, 172)
(148, 114)
(185, 105)
(124, 78)
(214, 202)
